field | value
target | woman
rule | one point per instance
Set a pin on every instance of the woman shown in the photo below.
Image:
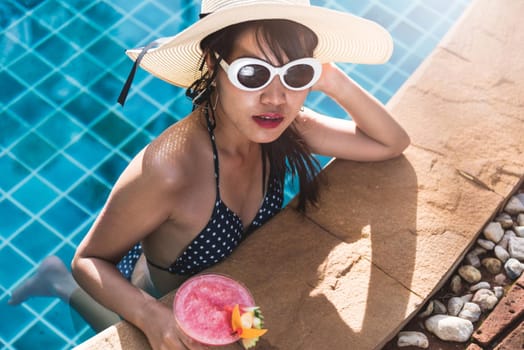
(193, 194)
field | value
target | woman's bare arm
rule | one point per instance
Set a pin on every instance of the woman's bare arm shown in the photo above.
(371, 135)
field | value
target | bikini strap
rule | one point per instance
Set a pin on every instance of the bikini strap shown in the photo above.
(210, 127)
(263, 173)
(168, 269)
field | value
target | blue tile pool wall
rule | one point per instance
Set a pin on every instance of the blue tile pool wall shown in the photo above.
(64, 140)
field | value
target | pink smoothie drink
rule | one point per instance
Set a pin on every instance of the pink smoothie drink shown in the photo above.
(203, 306)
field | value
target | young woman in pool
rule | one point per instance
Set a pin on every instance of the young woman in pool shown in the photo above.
(194, 193)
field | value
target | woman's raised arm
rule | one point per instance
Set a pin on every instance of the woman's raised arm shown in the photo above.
(371, 135)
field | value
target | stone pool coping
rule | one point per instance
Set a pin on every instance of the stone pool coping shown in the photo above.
(387, 235)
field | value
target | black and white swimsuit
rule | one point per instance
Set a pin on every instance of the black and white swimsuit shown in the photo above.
(222, 234)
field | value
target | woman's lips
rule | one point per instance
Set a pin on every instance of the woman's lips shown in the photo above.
(268, 120)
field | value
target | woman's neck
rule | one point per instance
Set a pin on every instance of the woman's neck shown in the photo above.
(230, 140)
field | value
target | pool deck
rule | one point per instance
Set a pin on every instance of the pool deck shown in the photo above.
(387, 235)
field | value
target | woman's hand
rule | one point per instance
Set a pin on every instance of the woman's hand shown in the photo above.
(330, 77)
(371, 135)
(163, 333)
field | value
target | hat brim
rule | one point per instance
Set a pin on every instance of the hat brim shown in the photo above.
(342, 37)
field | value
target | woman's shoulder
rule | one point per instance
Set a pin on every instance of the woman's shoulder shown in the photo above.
(176, 153)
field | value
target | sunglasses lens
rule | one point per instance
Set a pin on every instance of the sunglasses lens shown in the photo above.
(253, 76)
(299, 76)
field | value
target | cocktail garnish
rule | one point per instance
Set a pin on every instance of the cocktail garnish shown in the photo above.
(247, 324)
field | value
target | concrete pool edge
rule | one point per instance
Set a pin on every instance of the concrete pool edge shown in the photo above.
(387, 234)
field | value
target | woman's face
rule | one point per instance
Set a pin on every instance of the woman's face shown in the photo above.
(260, 116)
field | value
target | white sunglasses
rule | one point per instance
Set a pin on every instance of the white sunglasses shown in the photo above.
(252, 74)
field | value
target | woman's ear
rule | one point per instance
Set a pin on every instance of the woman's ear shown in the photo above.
(210, 61)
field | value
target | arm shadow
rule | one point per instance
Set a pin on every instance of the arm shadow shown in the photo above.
(339, 277)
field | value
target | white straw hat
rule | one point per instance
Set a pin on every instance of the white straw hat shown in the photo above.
(342, 37)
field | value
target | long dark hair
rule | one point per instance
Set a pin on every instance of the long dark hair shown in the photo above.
(283, 38)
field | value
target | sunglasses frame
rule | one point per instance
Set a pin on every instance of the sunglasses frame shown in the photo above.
(234, 68)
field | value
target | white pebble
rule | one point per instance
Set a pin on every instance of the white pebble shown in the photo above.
(508, 234)
(439, 307)
(519, 230)
(428, 311)
(499, 292)
(513, 268)
(480, 285)
(505, 239)
(520, 219)
(467, 297)
(486, 299)
(516, 248)
(514, 206)
(478, 250)
(501, 253)
(450, 328)
(473, 260)
(494, 232)
(505, 220)
(409, 338)
(470, 312)
(500, 279)
(455, 305)
(486, 244)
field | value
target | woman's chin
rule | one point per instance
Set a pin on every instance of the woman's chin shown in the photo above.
(267, 137)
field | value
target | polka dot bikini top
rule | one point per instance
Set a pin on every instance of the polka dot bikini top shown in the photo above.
(224, 231)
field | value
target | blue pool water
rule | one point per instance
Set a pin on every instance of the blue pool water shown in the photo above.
(64, 140)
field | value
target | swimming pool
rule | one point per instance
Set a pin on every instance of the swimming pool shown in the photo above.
(64, 140)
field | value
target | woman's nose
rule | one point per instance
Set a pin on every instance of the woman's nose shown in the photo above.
(274, 93)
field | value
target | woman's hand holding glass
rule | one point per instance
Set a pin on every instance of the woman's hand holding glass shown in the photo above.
(163, 333)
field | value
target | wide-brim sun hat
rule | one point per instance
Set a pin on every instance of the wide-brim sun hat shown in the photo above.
(342, 37)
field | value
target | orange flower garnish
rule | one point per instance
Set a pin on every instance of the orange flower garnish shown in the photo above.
(243, 324)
